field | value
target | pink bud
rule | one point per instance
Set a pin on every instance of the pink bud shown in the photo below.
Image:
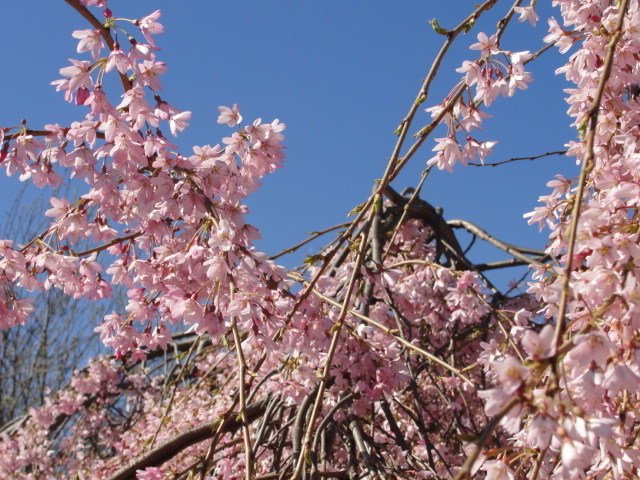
(107, 13)
(81, 95)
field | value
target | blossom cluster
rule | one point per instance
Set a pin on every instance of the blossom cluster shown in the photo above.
(428, 363)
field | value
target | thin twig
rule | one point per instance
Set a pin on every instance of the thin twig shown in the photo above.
(248, 451)
(517, 159)
(313, 236)
(480, 233)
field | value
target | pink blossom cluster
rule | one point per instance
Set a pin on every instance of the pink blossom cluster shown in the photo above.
(490, 78)
(441, 368)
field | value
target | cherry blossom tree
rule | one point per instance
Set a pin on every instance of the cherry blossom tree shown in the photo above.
(388, 354)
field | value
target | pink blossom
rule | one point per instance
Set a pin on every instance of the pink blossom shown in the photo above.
(495, 399)
(90, 40)
(511, 373)
(539, 346)
(230, 116)
(539, 431)
(178, 122)
(448, 154)
(150, 473)
(576, 456)
(78, 75)
(594, 347)
(563, 40)
(119, 60)
(150, 70)
(149, 25)
(527, 14)
(60, 208)
(497, 470)
(487, 45)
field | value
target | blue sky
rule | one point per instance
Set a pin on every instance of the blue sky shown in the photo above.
(341, 75)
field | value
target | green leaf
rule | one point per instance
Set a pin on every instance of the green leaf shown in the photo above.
(426, 130)
(582, 128)
(356, 209)
(469, 25)
(312, 259)
(437, 28)
(335, 328)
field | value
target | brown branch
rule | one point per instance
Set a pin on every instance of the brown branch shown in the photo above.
(325, 421)
(39, 133)
(242, 388)
(173, 394)
(430, 215)
(480, 233)
(109, 244)
(194, 435)
(512, 262)
(313, 236)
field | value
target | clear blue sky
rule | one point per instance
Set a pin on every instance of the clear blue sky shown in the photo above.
(341, 75)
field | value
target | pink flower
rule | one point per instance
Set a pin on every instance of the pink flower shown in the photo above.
(178, 122)
(539, 346)
(78, 75)
(230, 116)
(60, 208)
(118, 59)
(592, 347)
(472, 72)
(619, 378)
(563, 40)
(148, 25)
(539, 431)
(495, 399)
(511, 373)
(149, 72)
(488, 45)
(448, 154)
(82, 95)
(150, 473)
(90, 40)
(474, 149)
(527, 14)
(497, 470)
(576, 456)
